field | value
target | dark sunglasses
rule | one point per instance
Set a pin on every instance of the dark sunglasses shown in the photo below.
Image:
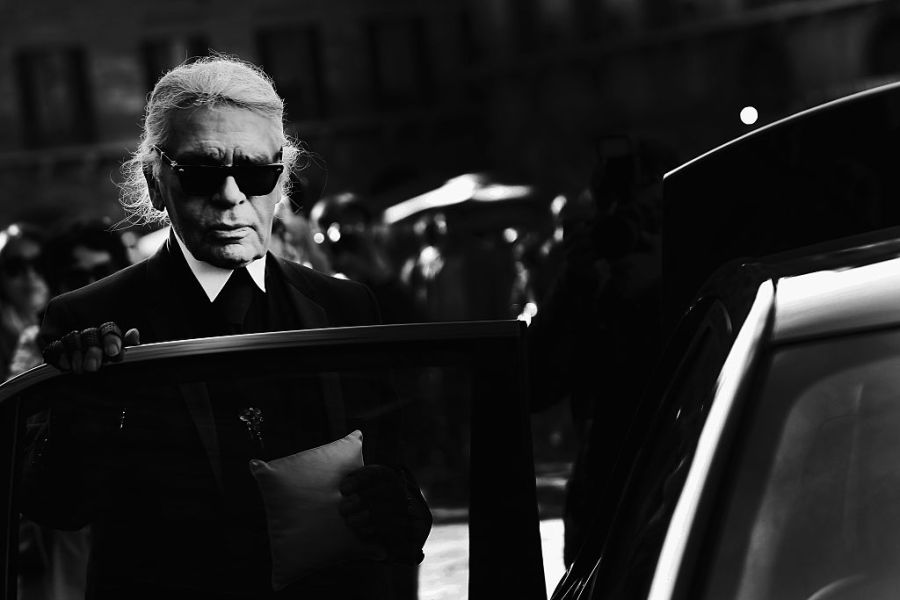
(206, 180)
(16, 266)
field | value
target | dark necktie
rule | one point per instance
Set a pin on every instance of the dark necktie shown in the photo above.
(234, 300)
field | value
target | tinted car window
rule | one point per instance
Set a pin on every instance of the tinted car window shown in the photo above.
(655, 459)
(812, 505)
(448, 400)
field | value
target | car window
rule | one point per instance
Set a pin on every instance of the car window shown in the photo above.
(811, 509)
(656, 457)
(447, 401)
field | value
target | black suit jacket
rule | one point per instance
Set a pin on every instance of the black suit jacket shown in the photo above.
(162, 522)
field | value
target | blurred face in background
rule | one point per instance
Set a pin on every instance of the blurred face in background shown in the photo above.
(23, 285)
(87, 266)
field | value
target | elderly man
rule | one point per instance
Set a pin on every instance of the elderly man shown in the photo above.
(214, 160)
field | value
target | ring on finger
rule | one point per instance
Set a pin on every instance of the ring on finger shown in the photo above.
(109, 327)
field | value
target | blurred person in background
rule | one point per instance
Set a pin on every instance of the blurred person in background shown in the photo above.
(598, 332)
(460, 273)
(23, 287)
(292, 238)
(422, 268)
(81, 253)
(53, 562)
(348, 233)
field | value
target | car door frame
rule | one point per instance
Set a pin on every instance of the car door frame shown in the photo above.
(504, 535)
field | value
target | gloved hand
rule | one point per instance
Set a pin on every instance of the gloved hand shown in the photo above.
(87, 350)
(384, 505)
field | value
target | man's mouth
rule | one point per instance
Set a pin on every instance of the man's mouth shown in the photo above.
(228, 231)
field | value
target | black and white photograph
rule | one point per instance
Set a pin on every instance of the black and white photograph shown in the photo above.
(450, 300)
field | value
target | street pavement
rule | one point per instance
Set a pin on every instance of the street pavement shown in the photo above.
(444, 574)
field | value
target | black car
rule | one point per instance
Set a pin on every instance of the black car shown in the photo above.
(762, 460)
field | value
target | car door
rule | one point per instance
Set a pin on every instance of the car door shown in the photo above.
(454, 393)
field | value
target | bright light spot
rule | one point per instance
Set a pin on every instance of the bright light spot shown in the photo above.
(559, 234)
(529, 311)
(319, 237)
(334, 233)
(749, 115)
(430, 262)
(497, 191)
(454, 191)
(429, 254)
(510, 235)
(558, 204)
(339, 276)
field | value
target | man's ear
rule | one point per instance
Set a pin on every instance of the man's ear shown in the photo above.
(153, 188)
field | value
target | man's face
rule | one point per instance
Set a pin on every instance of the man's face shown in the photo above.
(227, 228)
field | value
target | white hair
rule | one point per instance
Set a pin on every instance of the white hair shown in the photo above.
(218, 80)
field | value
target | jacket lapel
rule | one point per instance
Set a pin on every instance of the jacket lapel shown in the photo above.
(312, 315)
(169, 321)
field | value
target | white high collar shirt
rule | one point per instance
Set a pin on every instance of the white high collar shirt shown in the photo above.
(212, 278)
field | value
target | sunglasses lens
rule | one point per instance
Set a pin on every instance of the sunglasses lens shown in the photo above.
(257, 181)
(200, 181)
(252, 180)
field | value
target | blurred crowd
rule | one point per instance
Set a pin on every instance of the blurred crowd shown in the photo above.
(37, 264)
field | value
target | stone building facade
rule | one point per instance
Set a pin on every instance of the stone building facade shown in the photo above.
(396, 90)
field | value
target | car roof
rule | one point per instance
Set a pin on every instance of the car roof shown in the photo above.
(843, 286)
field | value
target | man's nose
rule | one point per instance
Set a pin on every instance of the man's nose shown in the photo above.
(229, 192)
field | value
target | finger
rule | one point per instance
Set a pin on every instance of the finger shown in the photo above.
(76, 358)
(53, 354)
(90, 337)
(72, 349)
(133, 337)
(93, 358)
(92, 355)
(111, 337)
(366, 477)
